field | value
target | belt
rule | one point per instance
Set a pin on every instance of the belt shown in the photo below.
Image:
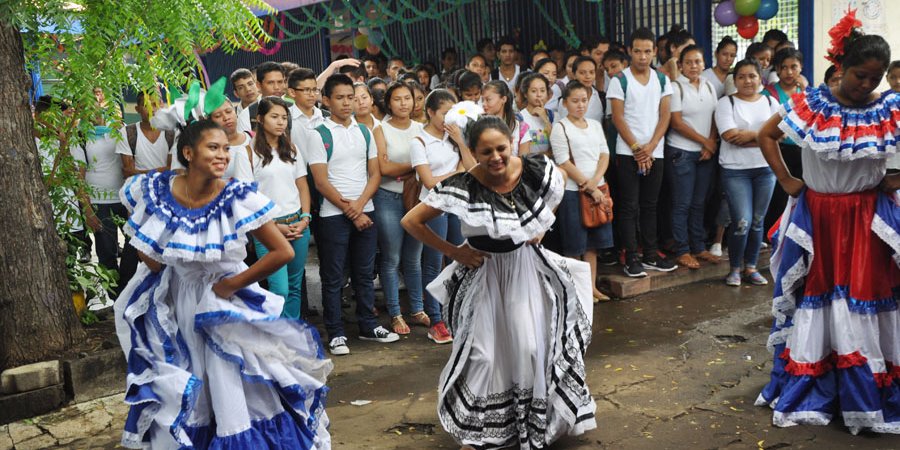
(488, 244)
(288, 219)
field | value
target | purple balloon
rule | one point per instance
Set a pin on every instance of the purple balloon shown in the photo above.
(725, 14)
(767, 9)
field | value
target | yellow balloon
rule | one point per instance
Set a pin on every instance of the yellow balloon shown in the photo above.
(361, 41)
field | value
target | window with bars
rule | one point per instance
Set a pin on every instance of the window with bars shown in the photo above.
(786, 20)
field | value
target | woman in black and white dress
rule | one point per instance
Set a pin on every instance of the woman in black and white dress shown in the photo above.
(518, 312)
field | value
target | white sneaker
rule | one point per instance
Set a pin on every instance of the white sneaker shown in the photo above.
(380, 334)
(716, 249)
(338, 346)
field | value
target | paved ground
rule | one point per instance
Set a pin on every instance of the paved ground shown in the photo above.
(677, 369)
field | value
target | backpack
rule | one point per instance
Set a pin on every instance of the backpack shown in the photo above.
(731, 100)
(623, 81)
(131, 135)
(681, 89)
(328, 141)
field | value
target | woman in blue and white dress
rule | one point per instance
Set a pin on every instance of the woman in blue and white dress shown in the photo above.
(210, 363)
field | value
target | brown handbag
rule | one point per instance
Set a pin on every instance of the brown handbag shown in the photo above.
(592, 215)
(412, 188)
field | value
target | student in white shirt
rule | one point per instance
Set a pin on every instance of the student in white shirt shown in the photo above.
(152, 149)
(547, 68)
(274, 163)
(346, 175)
(508, 71)
(305, 116)
(398, 248)
(579, 148)
(691, 142)
(243, 85)
(640, 112)
(726, 51)
(534, 89)
(363, 105)
(271, 81)
(497, 100)
(746, 177)
(437, 153)
(584, 69)
(226, 117)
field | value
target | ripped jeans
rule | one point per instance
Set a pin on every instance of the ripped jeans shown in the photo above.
(748, 192)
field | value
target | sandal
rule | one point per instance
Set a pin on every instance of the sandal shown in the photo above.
(688, 261)
(399, 325)
(707, 256)
(420, 318)
(600, 297)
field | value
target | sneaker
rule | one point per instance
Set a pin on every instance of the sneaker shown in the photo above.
(634, 268)
(756, 278)
(439, 333)
(733, 279)
(659, 264)
(608, 259)
(716, 250)
(338, 346)
(380, 334)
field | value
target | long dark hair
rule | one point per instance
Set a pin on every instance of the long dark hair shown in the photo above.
(502, 89)
(286, 151)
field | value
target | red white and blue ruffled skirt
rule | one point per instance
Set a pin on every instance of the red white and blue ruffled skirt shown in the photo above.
(836, 337)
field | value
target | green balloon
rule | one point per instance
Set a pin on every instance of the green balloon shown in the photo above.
(746, 7)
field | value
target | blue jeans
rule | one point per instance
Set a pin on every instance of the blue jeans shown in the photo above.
(433, 263)
(397, 247)
(748, 192)
(287, 280)
(692, 182)
(339, 242)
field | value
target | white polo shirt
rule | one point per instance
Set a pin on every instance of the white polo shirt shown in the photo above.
(103, 168)
(347, 170)
(641, 109)
(697, 106)
(440, 155)
(583, 147)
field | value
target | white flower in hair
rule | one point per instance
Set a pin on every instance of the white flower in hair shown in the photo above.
(462, 113)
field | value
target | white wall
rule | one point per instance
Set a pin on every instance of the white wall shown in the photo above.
(877, 16)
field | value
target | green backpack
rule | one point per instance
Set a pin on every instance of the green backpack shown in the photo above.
(328, 141)
(623, 80)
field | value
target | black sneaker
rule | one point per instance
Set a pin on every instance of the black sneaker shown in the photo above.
(659, 264)
(380, 334)
(608, 259)
(634, 268)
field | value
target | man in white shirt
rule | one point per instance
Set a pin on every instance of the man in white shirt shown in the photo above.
(243, 85)
(271, 81)
(305, 116)
(639, 98)
(144, 148)
(344, 167)
(508, 71)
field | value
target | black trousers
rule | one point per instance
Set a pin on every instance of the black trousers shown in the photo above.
(638, 197)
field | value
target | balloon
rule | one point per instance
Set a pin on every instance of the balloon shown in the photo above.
(376, 37)
(767, 9)
(372, 49)
(725, 13)
(361, 41)
(747, 27)
(746, 7)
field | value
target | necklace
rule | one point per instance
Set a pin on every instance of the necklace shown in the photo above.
(507, 197)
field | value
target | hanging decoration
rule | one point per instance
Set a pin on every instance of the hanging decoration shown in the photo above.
(746, 14)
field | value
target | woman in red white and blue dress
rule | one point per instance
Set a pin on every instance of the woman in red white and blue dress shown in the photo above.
(836, 336)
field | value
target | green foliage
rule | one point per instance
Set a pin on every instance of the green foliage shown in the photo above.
(125, 44)
(88, 317)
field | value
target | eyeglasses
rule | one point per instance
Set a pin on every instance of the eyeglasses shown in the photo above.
(307, 90)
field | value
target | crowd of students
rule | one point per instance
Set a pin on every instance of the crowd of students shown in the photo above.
(344, 154)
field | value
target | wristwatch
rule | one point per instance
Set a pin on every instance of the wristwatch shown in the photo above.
(635, 146)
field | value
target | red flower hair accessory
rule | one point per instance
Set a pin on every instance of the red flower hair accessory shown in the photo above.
(839, 34)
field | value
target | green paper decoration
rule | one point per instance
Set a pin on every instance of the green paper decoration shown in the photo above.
(215, 96)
